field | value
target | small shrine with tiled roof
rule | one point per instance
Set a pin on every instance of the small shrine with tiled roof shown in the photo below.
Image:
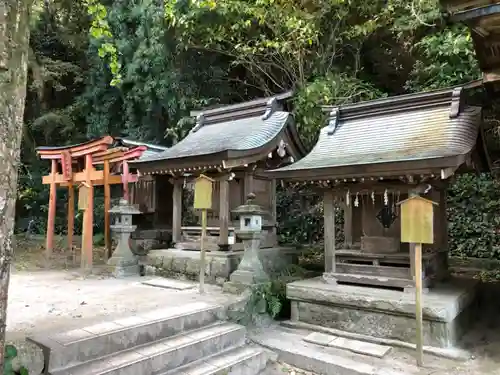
(232, 145)
(369, 157)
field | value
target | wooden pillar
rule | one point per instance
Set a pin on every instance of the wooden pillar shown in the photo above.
(443, 234)
(348, 226)
(329, 227)
(88, 218)
(248, 183)
(107, 207)
(52, 210)
(224, 214)
(125, 181)
(274, 213)
(71, 219)
(443, 216)
(177, 211)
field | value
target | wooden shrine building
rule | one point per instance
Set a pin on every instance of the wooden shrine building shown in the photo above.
(368, 158)
(232, 144)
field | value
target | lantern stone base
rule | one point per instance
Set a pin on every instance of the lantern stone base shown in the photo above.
(247, 277)
(121, 267)
(448, 310)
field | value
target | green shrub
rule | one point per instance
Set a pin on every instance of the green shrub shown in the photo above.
(9, 355)
(473, 217)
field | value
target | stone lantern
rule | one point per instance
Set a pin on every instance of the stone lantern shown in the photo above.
(125, 263)
(250, 270)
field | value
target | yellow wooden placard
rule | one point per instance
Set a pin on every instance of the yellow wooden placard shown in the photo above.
(417, 220)
(203, 193)
(83, 194)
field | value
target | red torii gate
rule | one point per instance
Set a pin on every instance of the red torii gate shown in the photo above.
(76, 164)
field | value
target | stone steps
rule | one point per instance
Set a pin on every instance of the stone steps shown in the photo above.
(82, 345)
(164, 355)
(238, 361)
(185, 340)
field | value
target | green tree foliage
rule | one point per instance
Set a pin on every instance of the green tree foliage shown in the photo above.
(158, 83)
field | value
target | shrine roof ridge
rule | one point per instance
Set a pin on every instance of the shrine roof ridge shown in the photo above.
(151, 149)
(464, 5)
(259, 102)
(229, 112)
(399, 103)
(131, 142)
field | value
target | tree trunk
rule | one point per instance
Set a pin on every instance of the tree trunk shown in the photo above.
(14, 37)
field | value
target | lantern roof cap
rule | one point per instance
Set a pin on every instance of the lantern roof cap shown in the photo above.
(124, 208)
(249, 207)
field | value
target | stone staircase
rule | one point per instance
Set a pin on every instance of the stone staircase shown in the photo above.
(190, 339)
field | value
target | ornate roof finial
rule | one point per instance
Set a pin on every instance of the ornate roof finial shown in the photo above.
(271, 107)
(200, 121)
(333, 120)
(250, 198)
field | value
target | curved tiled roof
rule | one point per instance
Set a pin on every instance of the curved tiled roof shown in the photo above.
(235, 135)
(392, 130)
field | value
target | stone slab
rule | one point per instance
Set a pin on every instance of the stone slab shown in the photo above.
(355, 346)
(360, 347)
(170, 284)
(319, 338)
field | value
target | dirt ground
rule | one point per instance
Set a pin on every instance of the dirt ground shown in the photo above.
(58, 296)
(47, 296)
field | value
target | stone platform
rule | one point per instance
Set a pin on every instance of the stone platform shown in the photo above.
(219, 264)
(447, 310)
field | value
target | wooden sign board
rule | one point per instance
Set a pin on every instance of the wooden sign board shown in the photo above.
(417, 220)
(203, 193)
(66, 165)
(83, 193)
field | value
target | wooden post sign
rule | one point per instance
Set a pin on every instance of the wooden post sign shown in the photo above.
(203, 201)
(417, 220)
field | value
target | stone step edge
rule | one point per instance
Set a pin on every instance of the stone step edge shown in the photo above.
(211, 364)
(51, 343)
(224, 329)
(449, 353)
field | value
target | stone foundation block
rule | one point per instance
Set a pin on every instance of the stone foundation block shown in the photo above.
(184, 264)
(448, 310)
